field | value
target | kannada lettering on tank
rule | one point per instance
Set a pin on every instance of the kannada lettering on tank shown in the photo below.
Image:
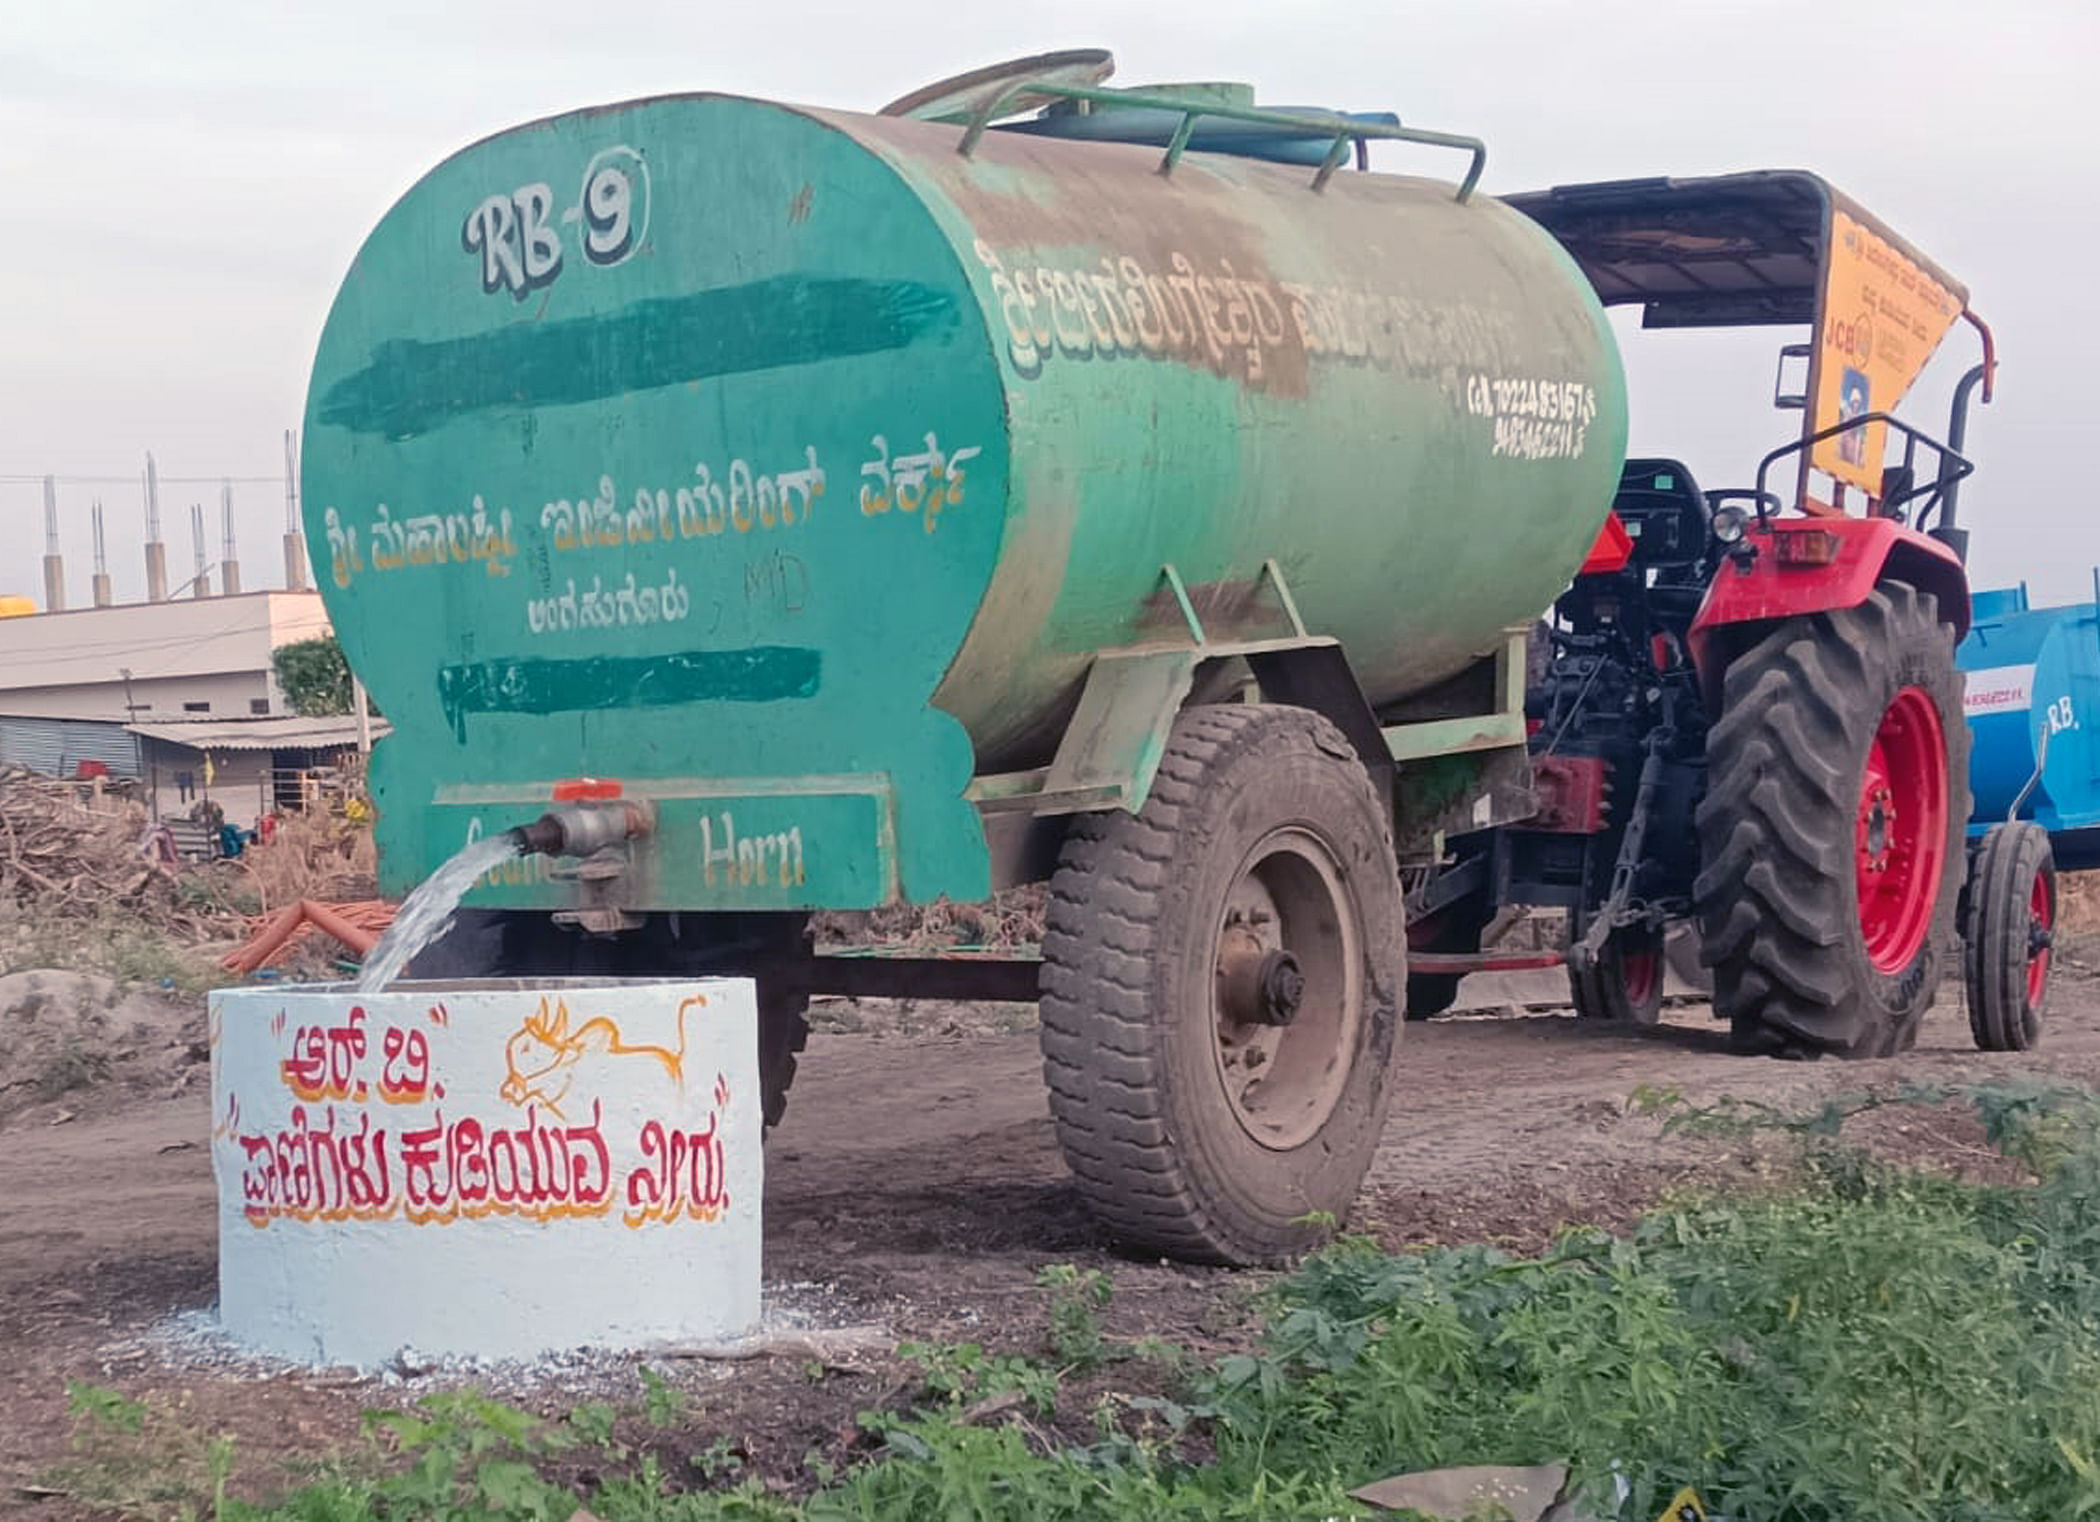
(1229, 319)
(689, 485)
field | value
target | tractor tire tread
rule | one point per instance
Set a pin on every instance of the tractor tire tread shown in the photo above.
(1994, 936)
(1776, 827)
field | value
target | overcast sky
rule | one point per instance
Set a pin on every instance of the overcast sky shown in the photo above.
(187, 181)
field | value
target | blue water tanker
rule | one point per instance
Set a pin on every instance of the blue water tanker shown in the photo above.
(2033, 706)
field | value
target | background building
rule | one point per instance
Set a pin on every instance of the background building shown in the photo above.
(180, 697)
(205, 655)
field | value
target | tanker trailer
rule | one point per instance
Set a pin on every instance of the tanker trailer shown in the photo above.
(762, 509)
(2033, 678)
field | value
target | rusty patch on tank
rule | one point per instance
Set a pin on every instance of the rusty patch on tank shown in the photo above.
(1092, 254)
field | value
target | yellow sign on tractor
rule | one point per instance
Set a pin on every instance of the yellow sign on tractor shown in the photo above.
(1881, 314)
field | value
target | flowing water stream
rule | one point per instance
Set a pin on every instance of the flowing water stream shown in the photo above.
(427, 912)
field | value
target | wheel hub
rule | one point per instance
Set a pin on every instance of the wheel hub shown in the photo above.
(1875, 827)
(1258, 984)
(2041, 936)
(1287, 990)
(1900, 834)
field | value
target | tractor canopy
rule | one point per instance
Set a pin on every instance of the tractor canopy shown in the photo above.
(1772, 247)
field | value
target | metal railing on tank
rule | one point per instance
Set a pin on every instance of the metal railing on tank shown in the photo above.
(1342, 129)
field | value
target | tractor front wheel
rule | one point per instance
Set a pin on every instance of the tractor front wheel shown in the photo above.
(1221, 980)
(1832, 828)
(1453, 929)
(1625, 984)
(2007, 937)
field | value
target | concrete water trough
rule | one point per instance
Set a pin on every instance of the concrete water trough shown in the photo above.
(487, 1170)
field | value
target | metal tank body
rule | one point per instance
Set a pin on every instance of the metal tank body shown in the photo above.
(791, 468)
(2032, 700)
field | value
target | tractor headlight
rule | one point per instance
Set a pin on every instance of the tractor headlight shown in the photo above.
(1730, 522)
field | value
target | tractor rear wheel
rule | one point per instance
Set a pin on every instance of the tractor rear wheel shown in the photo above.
(2006, 940)
(1625, 984)
(1220, 989)
(1832, 828)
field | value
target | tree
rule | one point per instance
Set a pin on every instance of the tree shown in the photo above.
(315, 677)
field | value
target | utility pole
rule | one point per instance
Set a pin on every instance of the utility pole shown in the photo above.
(200, 584)
(364, 715)
(156, 551)
(103, 596)
(294, 540)
(230, 559)
(54, 564)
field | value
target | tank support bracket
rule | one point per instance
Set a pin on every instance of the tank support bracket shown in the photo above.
(1113, 743)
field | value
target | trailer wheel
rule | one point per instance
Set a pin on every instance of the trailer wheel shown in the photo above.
(1221, 978)
(1832, 828)
(2006, 941)
(1625, 985)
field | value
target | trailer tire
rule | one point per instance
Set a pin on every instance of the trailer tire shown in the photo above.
(1625, 984)
(783, 1033)
(2011, 917)
(1209, 1106)
(1832, 828)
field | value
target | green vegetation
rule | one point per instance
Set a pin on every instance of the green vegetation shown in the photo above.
(315, 677)
(113, 944)
(1869, 1346)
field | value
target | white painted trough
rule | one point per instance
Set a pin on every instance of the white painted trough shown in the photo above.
(486, 1170)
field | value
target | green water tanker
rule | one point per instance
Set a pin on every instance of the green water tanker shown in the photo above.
(783, 510)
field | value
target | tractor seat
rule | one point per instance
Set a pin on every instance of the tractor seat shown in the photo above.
(1676, 603)
(1664, 513)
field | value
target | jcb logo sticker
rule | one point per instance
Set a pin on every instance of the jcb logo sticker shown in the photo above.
(1685, 1506)
(1854, 337)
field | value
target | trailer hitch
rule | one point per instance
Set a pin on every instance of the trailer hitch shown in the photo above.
(1584, 954)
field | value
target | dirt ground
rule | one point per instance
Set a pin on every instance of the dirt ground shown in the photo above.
(916, 1185)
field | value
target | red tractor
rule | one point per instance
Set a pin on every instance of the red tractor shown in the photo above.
(1746, 717)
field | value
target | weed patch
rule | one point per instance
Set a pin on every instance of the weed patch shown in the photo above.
(110, 944)
(1876, 1345)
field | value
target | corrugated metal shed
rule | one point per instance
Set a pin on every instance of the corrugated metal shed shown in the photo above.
(287, 732)
(56, 747)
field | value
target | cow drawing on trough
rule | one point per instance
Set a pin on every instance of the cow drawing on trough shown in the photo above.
(565, 1070)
